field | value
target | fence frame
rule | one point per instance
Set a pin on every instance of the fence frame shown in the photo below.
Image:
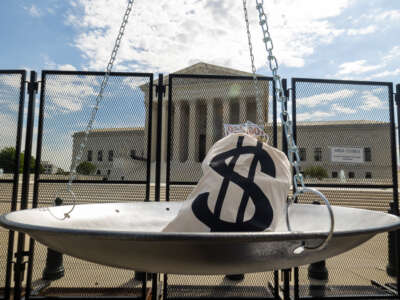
(160, 89)
(393, 186)
(169, 138)
(15, 180)
(37, 179)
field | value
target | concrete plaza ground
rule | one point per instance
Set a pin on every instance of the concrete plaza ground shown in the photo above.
(356, 267)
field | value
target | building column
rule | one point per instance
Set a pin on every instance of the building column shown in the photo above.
(211, 130)
(226, 112)
(154, 131)
(242, 110)
(164, 130)
(259, 111)
(193, 138)
(146, 122)
(262, 106)
(177, 144)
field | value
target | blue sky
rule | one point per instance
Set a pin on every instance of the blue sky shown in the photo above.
(332, 39)
(341, 39)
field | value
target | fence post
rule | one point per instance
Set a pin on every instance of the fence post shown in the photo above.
(14, 199)
(396, 235)
(19, 266)
(391, 266)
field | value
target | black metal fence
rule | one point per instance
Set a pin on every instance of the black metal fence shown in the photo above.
(207, 103)
(148, 144)
(345, 132)
(121, 173)
(12, 95)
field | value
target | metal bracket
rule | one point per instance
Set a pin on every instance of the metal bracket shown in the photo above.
(287, 92)
(160, 89)
(33, 87)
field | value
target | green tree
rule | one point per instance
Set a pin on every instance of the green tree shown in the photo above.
(315, 172)
(85, 168)
(7, 161)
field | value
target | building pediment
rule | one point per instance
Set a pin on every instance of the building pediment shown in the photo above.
(202, 68)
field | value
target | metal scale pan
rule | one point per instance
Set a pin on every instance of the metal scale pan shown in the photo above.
(129, 235)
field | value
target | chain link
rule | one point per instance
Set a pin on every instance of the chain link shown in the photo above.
(259, 102)
(293, 151)
(99, 98)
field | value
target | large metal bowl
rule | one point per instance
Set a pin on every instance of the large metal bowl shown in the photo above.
(129, 235)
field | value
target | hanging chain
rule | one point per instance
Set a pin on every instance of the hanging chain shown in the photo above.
(259, 102)
(293, 151)
(99, 98)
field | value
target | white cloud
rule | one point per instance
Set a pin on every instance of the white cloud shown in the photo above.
(67, 94)
(370, 101)
(392, 54)
(389, 15)
(135, 82)
(66, 67)
(33, 11)
(324, 98)
(341, 109)
(377, 16)
(174, 34)
(10, 85)
(362, 31)
(356, 67)
(10, 80)
(314, 116)
(8, 125)
(386, 73)
(392, 58)
(379, 90)
(52, 65)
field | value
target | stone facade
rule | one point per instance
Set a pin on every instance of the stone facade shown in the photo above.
(371, 137)
(117, 153)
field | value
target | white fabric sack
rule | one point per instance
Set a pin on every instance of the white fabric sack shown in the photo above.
(244, 188)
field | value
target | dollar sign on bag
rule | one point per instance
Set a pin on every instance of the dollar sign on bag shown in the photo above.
(263, 214)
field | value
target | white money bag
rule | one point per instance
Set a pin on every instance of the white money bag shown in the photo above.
(244, 188)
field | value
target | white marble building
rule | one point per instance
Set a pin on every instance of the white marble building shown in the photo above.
(117, 153)
(200, 108)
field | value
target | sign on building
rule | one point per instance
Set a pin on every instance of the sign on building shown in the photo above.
(347, 155)
(248, 127)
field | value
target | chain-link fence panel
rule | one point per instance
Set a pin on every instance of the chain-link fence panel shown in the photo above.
(115, 165)
(253, 285)
(345, 134)
(12, 93)
(200, 109)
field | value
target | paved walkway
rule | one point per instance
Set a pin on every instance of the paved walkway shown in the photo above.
(357, 267)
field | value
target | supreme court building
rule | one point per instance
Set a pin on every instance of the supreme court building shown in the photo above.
(201, 107)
